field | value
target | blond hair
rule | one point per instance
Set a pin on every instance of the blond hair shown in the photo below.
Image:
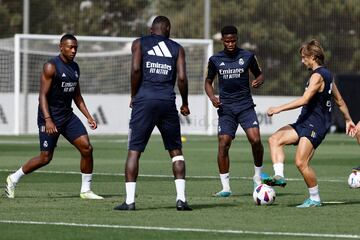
(313, 48)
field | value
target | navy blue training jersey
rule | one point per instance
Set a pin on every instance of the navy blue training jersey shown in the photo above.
(318, 110)
(62, 90)
(159, 57)
(233, 75)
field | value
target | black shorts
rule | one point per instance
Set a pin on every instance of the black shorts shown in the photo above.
(145, 115)
(230, 118)
(71, 129)
(314, 132)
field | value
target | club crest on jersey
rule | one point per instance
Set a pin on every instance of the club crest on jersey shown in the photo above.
(241, 61)
(76, 74)
(45, 144)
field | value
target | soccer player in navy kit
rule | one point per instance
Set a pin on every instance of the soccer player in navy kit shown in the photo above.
(156, 61)
(59, 86)
(235, 104)
(312, 124)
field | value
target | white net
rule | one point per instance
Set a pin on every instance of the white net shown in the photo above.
(104, 62)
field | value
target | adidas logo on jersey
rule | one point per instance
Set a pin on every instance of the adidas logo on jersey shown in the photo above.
(63, 75)
(160, 50)
(255, 123)
(222, 64)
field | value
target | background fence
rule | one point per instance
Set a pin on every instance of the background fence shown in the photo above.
(273, 29)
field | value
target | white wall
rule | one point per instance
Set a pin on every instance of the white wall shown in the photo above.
(113, 113)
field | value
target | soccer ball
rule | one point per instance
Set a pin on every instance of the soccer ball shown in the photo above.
(264, 195)
(354, 180)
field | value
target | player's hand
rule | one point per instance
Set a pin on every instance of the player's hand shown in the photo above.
(215, 101)
(272, 110)
(257, 83)
(50, 127)
(184, 110)
(92, 123)
(351, 129)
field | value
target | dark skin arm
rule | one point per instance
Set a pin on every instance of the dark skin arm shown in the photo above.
(209, 89)
(45, 84)
(182, 82)
(135, 68)
(257, 82)
(80, 103)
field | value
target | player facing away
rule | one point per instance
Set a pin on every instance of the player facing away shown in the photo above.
(235, 104)
(156, 61)
(59, 86)
(313, 123)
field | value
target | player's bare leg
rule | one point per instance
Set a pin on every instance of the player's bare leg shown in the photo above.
(82, 143)
(131, 174)
(224, 142)
(284, 136)
(179, 171)
(304, 153)
(33, 164)
(253, 135)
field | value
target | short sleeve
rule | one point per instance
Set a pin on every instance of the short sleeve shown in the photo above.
(211, 73)
(254, 66)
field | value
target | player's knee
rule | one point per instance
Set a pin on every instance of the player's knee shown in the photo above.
(300, 164)
(255, 142)
(45, 158)
(87, 150)
(224, 145)
(178, 158)
(273, 141)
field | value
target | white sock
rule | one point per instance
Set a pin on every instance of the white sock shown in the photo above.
(314, 193)
(15, 177)
(180, 189)
(86, 179)
(225, 181)
(257, 170)
(279, 169)
(130, 192)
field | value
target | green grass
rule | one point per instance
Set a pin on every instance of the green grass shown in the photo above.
(51, 195)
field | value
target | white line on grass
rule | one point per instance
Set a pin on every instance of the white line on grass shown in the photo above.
(168, 176)
(241, 232)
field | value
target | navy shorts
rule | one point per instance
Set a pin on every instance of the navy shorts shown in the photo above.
(230, 118)
(145, 115)
(71, 129)
(314, 133)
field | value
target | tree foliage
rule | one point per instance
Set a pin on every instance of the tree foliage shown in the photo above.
(273, 29)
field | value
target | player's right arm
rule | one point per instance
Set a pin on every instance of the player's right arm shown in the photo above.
(350, 126)
(316, 82)
(45, 83)
(209, 89)
(182, 81)
(135, 68)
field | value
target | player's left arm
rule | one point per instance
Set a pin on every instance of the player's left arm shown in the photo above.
(256, 71)
(350, 126)
(80, 103)
(316, 82)
(182, 82)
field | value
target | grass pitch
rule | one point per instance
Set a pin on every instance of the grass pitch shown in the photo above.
(47, 203)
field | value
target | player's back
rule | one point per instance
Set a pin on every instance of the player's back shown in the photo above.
(159, 57)
(62, 89)
(318, 110)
